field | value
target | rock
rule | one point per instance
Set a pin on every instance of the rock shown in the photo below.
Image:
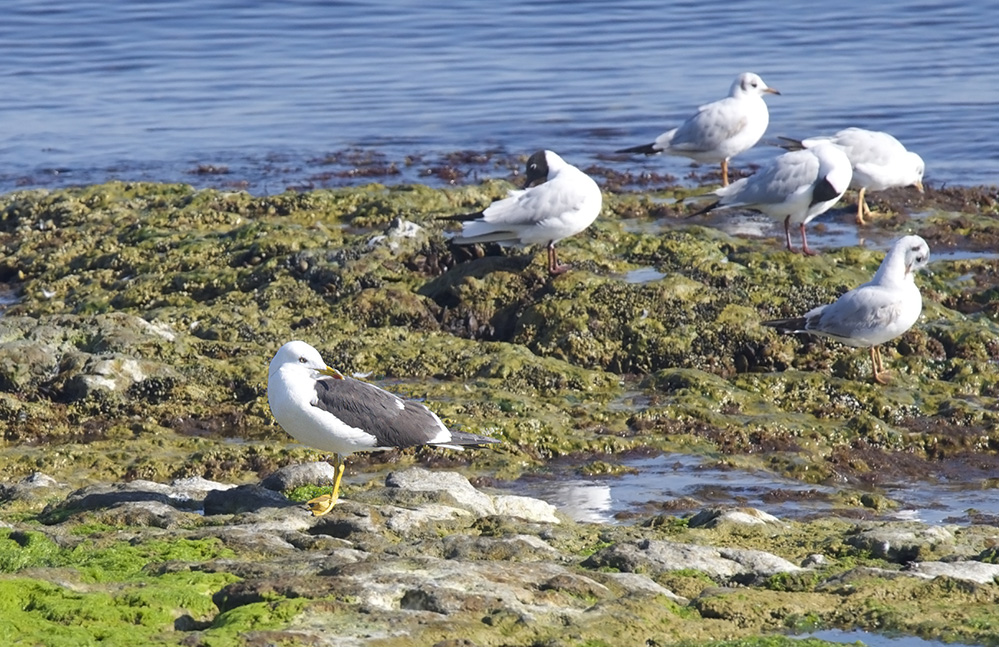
(244, 498)
(152, 514)
(24, 363)
(114, 374)
(714, 517)
(526, 508)
(656, 556)
(815, 560)
(965, 570)
(446, 587)
(449, 488)
(103, 495)
(638, 583)
(518, 548)
(349, 520)
(294, 476)
(195, 488)
(408, 522)
(182, 494)
(904, 542)
(252, 540)
(34, 487)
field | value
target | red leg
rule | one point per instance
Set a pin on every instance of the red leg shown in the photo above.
(787, 233)
(725, 172)
(804, 243)
(553, 267)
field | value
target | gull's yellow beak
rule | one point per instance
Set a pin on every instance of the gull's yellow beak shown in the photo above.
(919, 186)
(772, 91)
(332, 372)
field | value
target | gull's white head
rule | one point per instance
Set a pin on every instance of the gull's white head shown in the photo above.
(748, 83)
(907, 254)
(298, 354)
(916, 168)
(916, 253)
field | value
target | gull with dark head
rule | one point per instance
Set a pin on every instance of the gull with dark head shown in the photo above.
(879, 162)
(877, 311)
(557, 201)
(326, 410)
(719, 130)
(795, 187)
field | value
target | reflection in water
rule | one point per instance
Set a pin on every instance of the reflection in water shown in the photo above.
(675, 482)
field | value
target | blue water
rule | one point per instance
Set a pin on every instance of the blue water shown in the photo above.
(653, 484)
(268, 90)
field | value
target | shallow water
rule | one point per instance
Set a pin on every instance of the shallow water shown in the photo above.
(678, 483)
(259, 96)
(858, 637)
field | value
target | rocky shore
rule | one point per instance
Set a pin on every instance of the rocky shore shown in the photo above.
(148, 498)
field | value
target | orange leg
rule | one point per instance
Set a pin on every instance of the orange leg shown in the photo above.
(725, 172)
(877, 366)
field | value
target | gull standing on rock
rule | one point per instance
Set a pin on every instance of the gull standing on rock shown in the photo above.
(326, 410)
(879, 162)
(795, 187)
(877, 311)
(558, 201)
(719, 130)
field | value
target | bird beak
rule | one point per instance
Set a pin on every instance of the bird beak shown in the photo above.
(919, 186)
(772, 91)
(332, 372)
(533, 181)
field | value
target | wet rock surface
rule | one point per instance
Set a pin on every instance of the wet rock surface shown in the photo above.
(142, 470)
(357, 575)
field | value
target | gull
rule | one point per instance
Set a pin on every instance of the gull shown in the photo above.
(326, 410)
(719, 130)
(877, 311)
(566, 202)
(879, 162)
(796, 187)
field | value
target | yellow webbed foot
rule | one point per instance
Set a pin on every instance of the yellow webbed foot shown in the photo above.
(321, 504)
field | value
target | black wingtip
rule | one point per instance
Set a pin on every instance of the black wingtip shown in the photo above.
(786, 325)
(823, 192)
(462, 217)
(790, 143)
(465, 439)
(647, 149)
(704, 210)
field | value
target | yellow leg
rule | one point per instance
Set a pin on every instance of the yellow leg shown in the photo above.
(861, 207)
(324, 503)
(724, 172)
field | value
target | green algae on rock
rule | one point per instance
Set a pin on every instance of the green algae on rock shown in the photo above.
(158, 305)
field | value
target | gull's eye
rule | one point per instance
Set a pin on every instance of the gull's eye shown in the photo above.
(302, 360)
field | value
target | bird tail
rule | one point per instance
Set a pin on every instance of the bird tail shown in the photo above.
(796, 324)
(791, 144)
(645, 149)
